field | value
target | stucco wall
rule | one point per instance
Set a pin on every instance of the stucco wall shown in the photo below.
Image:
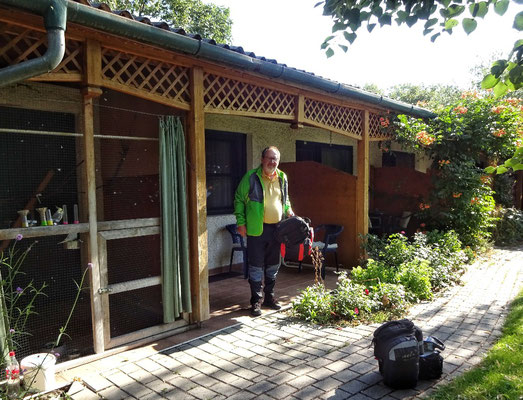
(260, 134)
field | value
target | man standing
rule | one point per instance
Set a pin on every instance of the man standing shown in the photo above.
(260, 202)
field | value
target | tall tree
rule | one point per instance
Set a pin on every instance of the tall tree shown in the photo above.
(438, 16)
(194, 16)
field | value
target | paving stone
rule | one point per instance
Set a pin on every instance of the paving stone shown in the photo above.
(327, 384)
(281, 391)
(301, 381)
(281, 378)
(309, 392)
(113, 393)
(96, 382)
(354, 386)
(377, 391)
(336, 394)
(261, 387)
(224, 389)
(362, 367)
(202, 393)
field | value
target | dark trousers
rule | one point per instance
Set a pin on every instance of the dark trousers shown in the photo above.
(264, 262)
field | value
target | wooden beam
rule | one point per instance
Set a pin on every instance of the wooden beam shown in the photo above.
(362, 184)
(93, 64)
(197, 204)
(299, 110)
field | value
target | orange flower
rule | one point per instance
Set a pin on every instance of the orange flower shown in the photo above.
(474, 200)
(497, 109)
(424, 206)
(443, 162)
(425, 138)
(384, 122)
(485, 179)
(512, 101)
(456, 195)
(499, 133)
(460, 110)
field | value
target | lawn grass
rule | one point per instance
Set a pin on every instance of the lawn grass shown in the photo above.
(500, 375)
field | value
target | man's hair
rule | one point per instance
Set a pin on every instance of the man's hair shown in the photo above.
(265, 150)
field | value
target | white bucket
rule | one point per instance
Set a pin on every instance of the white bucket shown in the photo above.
(39, 371)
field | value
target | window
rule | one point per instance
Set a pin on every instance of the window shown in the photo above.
(225, 166)
(398, 159)
(332, 155)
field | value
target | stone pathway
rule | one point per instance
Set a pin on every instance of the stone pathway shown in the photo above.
(276, 357)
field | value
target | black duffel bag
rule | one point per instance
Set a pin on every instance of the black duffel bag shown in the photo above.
(293, 230)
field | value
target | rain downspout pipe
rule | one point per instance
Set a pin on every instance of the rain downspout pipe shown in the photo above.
(55, 18)
(124, 27)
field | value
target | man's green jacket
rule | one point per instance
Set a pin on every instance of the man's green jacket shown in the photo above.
(249, 198)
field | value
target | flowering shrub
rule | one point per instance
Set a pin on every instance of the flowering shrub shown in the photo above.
(476, 131)
(509, 228)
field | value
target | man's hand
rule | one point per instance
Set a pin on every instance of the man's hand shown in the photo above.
(242, 230)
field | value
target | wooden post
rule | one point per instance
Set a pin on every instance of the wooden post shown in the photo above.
(92, 80)
(197, 206)
(299, 112)
(518, 203)
(362, 184)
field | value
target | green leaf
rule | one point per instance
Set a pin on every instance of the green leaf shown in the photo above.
(500, 89)
(518, 167)
(469, 25)
(370, 27)
(385, 19)
(501, 170)
(451, 23)
(516, 75)
(377, 11)
(445, 3)
(518, 21)
(434, 37)
(329, 53)
(318, 4)
(489, 81)
(350, 37)
(501, 7)
(411, 20)
(353, 15)
(498, 67)
(401, 16)
(478, 9)
(490, 170)
(343, 47)
(430, 22)
(455, 10)
(338, 26)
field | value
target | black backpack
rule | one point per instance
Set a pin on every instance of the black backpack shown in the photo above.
(397, 347)
(293, 230)
(431, 361)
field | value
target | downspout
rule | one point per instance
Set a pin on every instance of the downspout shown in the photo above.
(55, 18)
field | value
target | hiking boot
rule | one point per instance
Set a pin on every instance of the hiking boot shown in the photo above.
(272, 304)
(256, 310)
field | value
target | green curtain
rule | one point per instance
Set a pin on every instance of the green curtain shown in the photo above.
(176, 290)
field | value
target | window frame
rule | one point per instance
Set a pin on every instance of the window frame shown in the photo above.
(237, 159)
(317, 147)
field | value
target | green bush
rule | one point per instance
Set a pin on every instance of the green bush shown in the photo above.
(390, 297)
(351, 299)
(374, 273)
(314, 304)
(509, 227)
(415, 277)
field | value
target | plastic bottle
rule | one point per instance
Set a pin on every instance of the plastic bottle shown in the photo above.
(12, 373)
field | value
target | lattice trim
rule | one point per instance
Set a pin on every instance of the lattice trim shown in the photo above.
(376, 131)
(18, 45)
(341, 118)
(228, 94)
(150, 76)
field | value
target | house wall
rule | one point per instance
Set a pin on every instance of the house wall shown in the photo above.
(260, 134)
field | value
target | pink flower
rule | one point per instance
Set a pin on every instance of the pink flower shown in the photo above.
(11, 330)
(90, 265)
(367, 292)
(19, 290)
(19, 237)
(402, 232)
(356, 311)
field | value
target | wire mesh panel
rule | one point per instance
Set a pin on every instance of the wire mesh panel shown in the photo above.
(131, 259)
(127, 157)
(39, 169)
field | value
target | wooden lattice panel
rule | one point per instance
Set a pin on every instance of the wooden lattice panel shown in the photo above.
(18, 45)
(340, 118)
(376, 131)
(152, 77)
(230, 95)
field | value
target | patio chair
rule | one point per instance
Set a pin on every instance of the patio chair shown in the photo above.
(329, 243)
(400, 223)
(238, 244)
